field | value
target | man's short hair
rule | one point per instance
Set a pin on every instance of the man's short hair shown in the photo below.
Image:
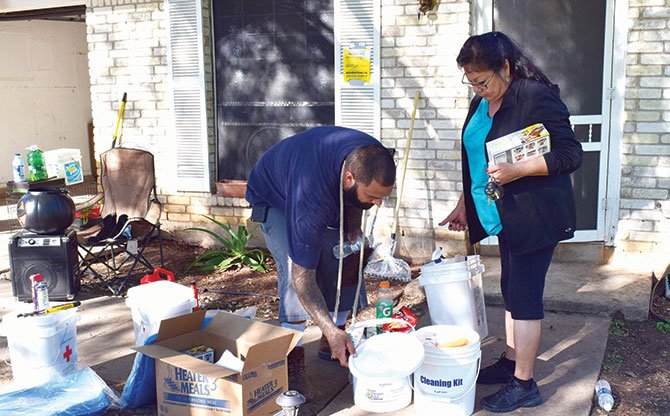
(372, 162)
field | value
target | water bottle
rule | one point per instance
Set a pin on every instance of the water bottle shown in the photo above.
(18, 168)
(349, 248)
(40, 292)
(604, 393)
(36, 166)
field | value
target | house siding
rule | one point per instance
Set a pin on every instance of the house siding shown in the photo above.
(645, 151)
(127, 53)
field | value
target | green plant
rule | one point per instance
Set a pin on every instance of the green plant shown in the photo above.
(612, 360)
(617, 327)
(663, 326)
(233, 251)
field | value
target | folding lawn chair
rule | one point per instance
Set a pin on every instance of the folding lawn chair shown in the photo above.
(130, 217)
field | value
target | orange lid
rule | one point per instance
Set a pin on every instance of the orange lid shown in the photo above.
(385, 284)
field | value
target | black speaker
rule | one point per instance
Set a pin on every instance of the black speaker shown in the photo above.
(52, 256)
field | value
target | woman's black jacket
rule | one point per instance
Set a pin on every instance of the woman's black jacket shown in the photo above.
(535, 211)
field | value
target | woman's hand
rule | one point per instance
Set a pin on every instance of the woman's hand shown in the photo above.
(457, 219)
(507, 172)
(504, 172)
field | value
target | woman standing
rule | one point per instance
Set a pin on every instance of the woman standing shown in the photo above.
(536, 209)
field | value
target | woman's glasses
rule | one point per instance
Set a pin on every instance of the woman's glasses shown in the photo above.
(479, 85)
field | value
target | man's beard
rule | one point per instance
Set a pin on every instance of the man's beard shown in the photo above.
(351, 198)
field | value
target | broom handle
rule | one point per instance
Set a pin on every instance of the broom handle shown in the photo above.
(122, 108)
(394, 226)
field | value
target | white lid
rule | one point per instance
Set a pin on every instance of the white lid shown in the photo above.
(437, 334)
(387, 355)
(45, 323)
(162, 292)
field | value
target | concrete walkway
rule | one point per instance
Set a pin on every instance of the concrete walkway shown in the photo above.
(579, 299)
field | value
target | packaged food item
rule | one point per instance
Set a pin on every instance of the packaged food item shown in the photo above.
(458, 342)
(202, 352)
(404, 314)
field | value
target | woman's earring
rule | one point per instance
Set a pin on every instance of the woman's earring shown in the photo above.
(507, 78)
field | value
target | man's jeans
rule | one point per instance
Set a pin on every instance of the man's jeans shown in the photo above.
(290, 307)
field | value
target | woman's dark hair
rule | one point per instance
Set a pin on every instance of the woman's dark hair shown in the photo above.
(372, 162)
(489, 52)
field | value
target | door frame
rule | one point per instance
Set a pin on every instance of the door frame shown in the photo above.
(614, 79)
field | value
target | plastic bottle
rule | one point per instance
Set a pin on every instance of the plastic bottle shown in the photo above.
(40, 292)
(18, 168)
(604, 393)
(384, 303)
(349, 248)
(36, 167)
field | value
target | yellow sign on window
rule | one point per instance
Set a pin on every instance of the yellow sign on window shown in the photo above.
(356, 63)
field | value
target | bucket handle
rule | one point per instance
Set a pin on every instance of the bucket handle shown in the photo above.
(472, 386)
(370, 323)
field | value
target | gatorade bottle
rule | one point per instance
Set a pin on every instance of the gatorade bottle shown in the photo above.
(384, 303)
(36, 167)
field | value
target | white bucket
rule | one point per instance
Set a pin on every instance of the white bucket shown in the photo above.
(382, 368)
(455, 294)
(445, 382)
(152, 302)
(41, 346)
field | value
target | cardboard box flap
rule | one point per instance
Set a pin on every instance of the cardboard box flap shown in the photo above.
(267, 352)
(249, 332)
(180, 325)
(178, 359)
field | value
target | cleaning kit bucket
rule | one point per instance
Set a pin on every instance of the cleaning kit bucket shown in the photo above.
(41, 346)
(152, 302)
(382, 368)
(445, 382)
(455, 294)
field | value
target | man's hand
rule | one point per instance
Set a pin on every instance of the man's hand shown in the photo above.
(304, 283)
(340, 345)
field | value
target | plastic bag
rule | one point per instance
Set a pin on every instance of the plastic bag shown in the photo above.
(140, 388)
(385, 266)
(80, 392)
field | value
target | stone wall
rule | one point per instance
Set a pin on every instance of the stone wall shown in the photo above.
(419, 54)
(645, 181)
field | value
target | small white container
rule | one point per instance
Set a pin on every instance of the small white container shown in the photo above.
(41, 346)
(152, 302)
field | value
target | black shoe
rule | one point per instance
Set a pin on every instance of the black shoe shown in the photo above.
(120, 223)
(108, 225)
(497, 373)
(512, 396)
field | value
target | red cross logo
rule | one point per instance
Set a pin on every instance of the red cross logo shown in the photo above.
(67, 353)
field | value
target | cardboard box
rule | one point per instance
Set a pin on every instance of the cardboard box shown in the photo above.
(188, 386)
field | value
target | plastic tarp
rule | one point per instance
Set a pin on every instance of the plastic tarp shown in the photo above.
(78, 393)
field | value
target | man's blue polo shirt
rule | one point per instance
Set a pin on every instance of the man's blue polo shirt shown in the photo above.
(300, 175)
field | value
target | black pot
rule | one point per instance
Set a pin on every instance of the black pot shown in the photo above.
(46, 211)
